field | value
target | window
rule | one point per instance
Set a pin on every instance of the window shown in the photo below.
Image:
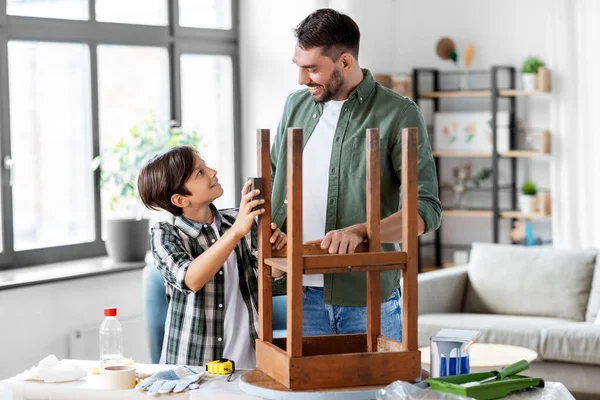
(143, 12)
(70, 87)
(139, 78)
(50, 144)
(66, 9)
(215, 14)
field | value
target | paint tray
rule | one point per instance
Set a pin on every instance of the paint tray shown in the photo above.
(506, 382)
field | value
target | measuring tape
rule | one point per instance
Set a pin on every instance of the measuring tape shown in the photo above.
(224, 366)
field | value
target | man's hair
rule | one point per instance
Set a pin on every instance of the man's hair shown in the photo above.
(164, 176)
(334, 32)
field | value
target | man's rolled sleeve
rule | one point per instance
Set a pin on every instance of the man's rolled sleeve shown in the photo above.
(429, 206)
(172, 259)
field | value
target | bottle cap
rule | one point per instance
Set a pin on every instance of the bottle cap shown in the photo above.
(110, 311)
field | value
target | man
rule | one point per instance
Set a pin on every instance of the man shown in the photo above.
(341, 102)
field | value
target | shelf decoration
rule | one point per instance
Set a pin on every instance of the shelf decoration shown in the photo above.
(465, 81)
(402, 84)
(469, 131)
(529, 72)
(461, 177)
(399, 83)
(446, 49)
(464, 180)
(528, 199)
(468, 56)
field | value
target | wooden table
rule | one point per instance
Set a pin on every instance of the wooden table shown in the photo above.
(485, 357)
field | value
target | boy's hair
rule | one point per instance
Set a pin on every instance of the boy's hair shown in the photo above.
(334, 32)
(164, 176)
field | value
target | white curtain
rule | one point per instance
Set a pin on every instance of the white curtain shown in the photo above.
(575, 122)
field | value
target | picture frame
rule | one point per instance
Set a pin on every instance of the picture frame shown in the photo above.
(470, 131)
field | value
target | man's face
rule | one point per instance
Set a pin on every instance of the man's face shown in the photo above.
(323, 76)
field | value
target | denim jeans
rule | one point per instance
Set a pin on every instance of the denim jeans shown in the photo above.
(326, 319)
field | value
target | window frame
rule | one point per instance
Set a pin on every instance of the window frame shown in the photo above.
(175, 39)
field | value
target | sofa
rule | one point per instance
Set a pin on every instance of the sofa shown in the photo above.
(538, 297)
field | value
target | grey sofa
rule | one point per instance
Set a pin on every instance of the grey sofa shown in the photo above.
(541, 298)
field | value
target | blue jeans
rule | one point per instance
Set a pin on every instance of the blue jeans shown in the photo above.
(326, 319)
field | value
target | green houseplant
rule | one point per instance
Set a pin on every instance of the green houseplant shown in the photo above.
(126, 229)
(529, 72)
(528, 199)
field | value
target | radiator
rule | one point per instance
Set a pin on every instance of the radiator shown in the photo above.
(84, 341)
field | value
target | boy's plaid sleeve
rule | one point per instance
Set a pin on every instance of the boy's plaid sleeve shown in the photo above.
(279, 283)
(172, 258)
(254, 240)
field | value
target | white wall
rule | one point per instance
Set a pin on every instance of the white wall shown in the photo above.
(267, 72)
(397, 35)
(36, 321)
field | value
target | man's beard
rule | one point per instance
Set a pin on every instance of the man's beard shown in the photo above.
(332, 88)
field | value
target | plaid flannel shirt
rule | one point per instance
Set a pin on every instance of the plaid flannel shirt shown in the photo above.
(194, 327)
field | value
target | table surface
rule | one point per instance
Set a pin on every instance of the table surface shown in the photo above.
(91, 387)
(490, 356)
(214, 388)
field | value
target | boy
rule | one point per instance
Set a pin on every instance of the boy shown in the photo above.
(206, 259)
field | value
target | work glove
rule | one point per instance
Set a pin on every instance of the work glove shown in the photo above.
(173, 380)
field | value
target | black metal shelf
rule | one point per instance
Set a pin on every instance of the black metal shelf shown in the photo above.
(440, 72)
(494, 93)
(508, 186)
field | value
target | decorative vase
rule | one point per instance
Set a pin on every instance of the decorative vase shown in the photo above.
(545, 142)
(543, 80)
(127, 240)
(528, 204)
(529, 81)
(544, 200)
(465, 81)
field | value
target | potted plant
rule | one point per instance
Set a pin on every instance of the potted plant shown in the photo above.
(527, 200)
(529, 72)
(126, 227)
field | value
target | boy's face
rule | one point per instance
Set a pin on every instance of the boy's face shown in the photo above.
(203, 184)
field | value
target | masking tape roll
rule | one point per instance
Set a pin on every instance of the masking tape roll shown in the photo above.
(118, 377)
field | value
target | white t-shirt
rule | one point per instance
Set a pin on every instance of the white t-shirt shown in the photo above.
(316, 157)
(237, 345)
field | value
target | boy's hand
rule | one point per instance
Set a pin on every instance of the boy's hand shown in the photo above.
(243, 222)
(278, 238)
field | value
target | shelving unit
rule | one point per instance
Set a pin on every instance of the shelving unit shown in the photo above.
(478, 93)
(508, 154)
(495, 93)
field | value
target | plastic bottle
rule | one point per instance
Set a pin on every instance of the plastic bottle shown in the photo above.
(111, 339)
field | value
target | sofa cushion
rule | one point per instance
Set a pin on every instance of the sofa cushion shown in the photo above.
(593, 309)
(498, 329)
(576, 342)
(536, 281)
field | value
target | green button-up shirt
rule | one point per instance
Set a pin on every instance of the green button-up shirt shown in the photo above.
(369, 106)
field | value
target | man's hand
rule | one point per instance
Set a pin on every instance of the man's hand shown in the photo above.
(278, 238)
(342, 241)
